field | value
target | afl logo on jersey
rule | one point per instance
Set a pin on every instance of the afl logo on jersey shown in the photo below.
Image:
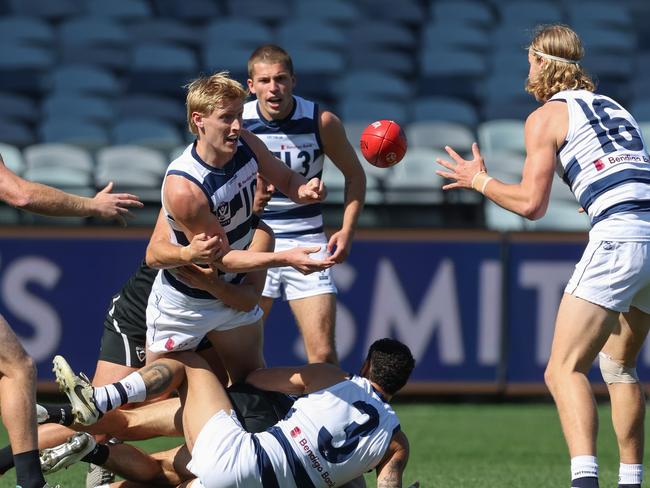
(223, 213)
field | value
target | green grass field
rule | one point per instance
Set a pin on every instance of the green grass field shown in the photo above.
(463, 445)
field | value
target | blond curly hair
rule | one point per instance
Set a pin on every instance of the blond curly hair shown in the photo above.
(560, 41)
(207, 93)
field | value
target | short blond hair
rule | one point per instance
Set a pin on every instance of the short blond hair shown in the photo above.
(560, 41)
(207, 93)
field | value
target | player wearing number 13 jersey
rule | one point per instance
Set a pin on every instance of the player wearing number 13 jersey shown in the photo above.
(600, 153)
(301, 134)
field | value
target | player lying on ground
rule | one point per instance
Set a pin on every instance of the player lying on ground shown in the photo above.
(296, 452)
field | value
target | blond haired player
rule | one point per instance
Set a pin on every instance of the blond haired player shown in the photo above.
(299, 132)
(605, 309)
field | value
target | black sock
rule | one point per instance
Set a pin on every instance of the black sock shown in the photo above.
(634, 485)
(97, 456)
(586, 482)
(58, 414)
(6, 459)
(28, 470)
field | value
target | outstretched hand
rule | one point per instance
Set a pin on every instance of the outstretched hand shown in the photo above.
(462, 172)
(116, 206)
(299, 258)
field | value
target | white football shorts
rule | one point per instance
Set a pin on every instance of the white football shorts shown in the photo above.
(613, 274)
(292, 284)
(176, 322)
(224, 455)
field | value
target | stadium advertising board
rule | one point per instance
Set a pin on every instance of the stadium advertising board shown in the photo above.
(474, 309)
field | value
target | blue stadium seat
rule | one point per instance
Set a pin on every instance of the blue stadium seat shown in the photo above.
(167, 30)
(382, 59)
(12, 158)
(505, 164)
(383, 34)
(83, 133)
(356, 109)
(148, 132)
(316, 69)
(236, 32)
(506, 86)
(23, 68)
(501, 135)
(158, 107)
(47, 9)
(162, 68)
(500, 219)
(18, 107)
(123, 10)
(84, 79)
(262, 10)
(95, 40)
(640, 110)
(337, 11)
(598, 14)
(530, 13)
(512, 38)
(373, 84)
(443, 35)
(509, 108)
(437, 135)
(455, 12)
(414, 179)
(233, 59)
(444, 109)
(307, 32)
(452, 72)
(408, 12)
(194, 11)
(93, 30)
(134, 169)
(16, 133)
(606, 40)
(73, 105)
(509, 61)
(58, 156)
(25, 30)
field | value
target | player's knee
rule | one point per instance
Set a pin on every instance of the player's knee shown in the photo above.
(550, 377)
(21, 367)
(616, 372)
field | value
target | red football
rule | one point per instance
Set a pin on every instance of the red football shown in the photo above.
(383, 143)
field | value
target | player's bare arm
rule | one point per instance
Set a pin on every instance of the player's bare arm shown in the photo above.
(244, 296)
(162, 253)
(544, 132)
(190, 209)
(273, 170)
(297, 380)
(391, 468)
(45, 200)
(340, 151)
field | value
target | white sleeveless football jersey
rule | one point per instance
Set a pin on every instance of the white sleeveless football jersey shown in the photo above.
(604, 159)
(296, 141)
(230, 191)
(328, 438)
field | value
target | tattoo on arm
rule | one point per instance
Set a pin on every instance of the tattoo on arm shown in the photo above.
(157, 378)
(391, 475)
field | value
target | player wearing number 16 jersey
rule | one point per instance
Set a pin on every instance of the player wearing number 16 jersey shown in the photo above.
(600, 153)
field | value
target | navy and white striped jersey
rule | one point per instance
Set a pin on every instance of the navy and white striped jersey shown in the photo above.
(604, 159)
(296, 141)
(230, 191)
(328, 438)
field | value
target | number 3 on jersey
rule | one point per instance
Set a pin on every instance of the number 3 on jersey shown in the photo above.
(304, 159)
(353, 432)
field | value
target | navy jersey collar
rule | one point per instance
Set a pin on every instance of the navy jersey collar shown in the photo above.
(228, 167)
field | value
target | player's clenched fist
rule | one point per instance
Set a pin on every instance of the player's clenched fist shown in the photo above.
(313, 191)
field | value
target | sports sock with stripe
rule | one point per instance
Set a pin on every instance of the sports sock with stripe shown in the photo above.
(128, 390)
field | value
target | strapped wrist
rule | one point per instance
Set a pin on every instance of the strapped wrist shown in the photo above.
(480, 181)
